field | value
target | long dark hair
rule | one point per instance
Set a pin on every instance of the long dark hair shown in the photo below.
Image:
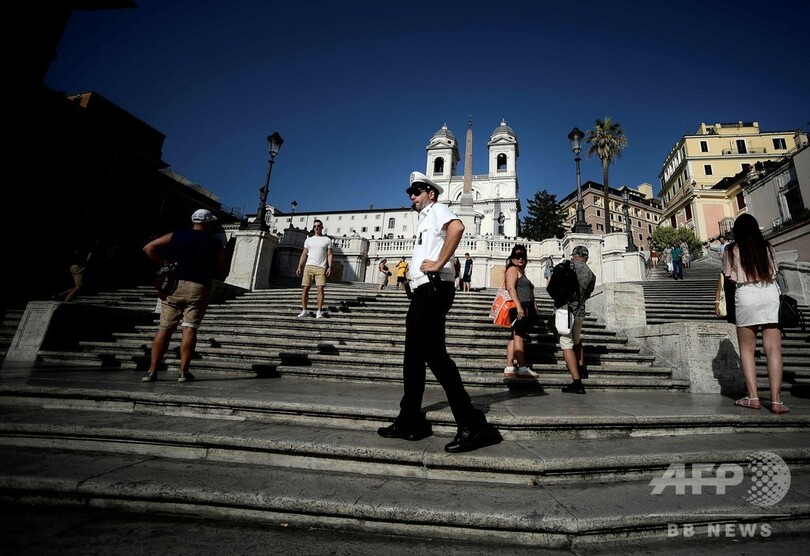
(755, 251)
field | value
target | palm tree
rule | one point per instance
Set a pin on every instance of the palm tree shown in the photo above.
(607, 141)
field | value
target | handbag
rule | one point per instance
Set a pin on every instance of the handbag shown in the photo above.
(503, 303)
(166, 280)
(790, 316)
(722, 309)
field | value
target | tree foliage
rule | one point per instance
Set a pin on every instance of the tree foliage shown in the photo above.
(663, 235)
(544, 219)
(607, 141)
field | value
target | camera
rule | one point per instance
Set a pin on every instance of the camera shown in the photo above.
(435, 280)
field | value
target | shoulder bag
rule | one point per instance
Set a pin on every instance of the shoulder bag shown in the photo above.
(503, 303)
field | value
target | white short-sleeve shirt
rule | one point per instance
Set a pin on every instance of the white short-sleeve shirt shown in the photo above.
(317, 248)
(430, 236)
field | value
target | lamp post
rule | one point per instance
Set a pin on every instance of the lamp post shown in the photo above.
(580, 226)
(275, 142)
(631, 245)
(292, 212)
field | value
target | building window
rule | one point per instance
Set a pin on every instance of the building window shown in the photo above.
(689, 212)
(391, 223)
(779, 143)
(600, 227)
(704, 146)
(501, 162)
(376, 228)
(649, 228)
(438, 166)
(707, 169)
(598, 212)
(740, 200)
(363, 229)
(741, 147)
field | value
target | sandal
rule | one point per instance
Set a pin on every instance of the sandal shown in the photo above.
(751, 403)
(782, 408)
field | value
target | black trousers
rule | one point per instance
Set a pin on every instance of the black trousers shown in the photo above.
(425, 346)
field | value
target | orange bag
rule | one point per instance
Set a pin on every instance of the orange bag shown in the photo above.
(499, 313)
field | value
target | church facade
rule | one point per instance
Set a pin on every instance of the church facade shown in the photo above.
(495, 195)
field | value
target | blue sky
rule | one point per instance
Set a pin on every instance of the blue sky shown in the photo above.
(357, 87)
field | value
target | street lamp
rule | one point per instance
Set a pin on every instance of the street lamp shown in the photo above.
(580, 226)
(275, 141)
(292, 212)
(631, 245)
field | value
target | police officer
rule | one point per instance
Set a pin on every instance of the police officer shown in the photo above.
(432, 292)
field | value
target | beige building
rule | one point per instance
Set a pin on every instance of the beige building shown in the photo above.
(691, 178)
(644, 210)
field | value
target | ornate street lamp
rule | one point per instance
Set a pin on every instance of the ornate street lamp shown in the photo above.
(631, 245)
(580, 226)
(292, 212)
(260, 223)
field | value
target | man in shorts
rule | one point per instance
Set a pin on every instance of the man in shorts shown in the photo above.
(316, 265)
(200, 258)
(571, 343)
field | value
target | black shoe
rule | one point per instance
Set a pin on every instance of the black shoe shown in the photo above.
(467, 440)
(576, 387)
(406, 432)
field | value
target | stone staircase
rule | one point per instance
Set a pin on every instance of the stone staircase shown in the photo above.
(361, 339)
(299, 449)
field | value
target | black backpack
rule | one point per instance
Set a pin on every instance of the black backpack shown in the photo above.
(563, 286)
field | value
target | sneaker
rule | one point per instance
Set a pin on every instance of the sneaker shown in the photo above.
(576, 387)
(319, 315)
(150, 376)
(526, 372)
(185, 377)
(303, 314)
(509, 372)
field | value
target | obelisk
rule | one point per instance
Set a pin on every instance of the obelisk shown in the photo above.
(466, 212)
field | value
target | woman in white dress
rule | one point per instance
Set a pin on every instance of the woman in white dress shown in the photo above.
(751, 263)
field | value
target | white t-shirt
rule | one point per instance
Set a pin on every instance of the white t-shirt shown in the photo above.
(430, 237)
(317, 247)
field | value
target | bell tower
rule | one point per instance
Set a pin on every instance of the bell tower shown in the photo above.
(442, 156)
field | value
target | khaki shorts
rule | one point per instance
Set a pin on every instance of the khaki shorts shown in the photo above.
(315, 274)
(189, 302)
(78, 274)
(568, 341)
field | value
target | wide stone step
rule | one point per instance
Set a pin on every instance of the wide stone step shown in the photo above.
(504, 514)
(528, 460)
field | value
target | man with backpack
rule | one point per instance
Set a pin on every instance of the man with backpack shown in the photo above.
(571, 284)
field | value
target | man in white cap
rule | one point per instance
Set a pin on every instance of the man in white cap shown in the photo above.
(199, 257)
(432, 292)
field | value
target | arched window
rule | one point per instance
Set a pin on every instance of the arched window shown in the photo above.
(438, 166)
(390, 223)
(501, 220)
(501, 162)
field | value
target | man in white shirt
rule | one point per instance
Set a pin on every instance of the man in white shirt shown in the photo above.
(316, 265)
(432, 292)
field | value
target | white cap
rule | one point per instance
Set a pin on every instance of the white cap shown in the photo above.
(420, 178)
(201, 216)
